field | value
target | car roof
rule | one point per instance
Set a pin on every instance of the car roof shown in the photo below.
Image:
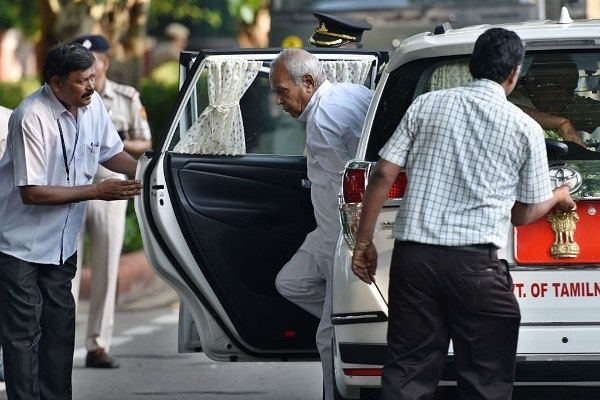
(538, 35)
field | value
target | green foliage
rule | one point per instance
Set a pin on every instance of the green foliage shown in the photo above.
(23, 14)
(158, 94)
(11, 93)
(245, 10)
(189, 10)
(132, 240)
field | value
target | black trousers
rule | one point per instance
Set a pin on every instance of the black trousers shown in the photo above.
(438, 293)
(37, 323)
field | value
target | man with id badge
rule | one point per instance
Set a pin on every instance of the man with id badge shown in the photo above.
(57, 137)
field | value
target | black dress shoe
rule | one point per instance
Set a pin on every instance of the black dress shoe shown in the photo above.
(100, 359)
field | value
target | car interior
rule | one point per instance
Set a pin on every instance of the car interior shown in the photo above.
(563, 84)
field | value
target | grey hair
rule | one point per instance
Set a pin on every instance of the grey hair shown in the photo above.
(299, 62)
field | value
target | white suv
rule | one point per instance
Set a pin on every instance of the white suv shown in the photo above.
(226, 202)
(556, 281)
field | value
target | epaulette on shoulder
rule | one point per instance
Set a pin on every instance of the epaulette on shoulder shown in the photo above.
(126, 90)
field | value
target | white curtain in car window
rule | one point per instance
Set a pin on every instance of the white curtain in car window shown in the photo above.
(219, 130)
(449, 75)
(353, 71)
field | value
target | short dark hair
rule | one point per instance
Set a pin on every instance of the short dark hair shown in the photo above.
(497, 52)
(65, 58)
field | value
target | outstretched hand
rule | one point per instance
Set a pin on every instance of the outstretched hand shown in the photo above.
(364, 264)
(118, 189)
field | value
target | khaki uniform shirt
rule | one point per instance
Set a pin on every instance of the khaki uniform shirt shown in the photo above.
(127, 114)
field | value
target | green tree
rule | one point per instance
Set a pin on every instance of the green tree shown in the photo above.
(123, 22)
(21, 14)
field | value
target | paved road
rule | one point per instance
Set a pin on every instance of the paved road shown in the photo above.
(145, 343)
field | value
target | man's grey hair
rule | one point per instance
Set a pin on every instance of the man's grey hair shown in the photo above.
(298, 63)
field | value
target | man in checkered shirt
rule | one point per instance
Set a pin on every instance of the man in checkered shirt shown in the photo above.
(474, 163)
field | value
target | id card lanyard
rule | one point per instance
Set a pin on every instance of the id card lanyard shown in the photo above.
(64, 150)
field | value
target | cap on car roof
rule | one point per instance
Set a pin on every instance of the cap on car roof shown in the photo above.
(334, 31)
(97, 43)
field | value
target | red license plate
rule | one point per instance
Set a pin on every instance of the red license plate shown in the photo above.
(534, 242)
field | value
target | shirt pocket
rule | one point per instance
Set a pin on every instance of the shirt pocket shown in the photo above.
(91, 159)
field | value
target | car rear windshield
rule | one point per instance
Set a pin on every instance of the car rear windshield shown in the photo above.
(564, 85)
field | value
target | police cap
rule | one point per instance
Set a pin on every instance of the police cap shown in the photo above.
(334, 31)
(97, 43)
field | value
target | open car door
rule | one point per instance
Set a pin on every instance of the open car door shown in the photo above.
(226, 203)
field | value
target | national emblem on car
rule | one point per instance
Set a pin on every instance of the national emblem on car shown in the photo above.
(563, 225)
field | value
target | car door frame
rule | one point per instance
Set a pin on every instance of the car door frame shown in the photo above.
(204, 322)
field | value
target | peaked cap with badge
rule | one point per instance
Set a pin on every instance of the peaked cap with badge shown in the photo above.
(335, 31)
(97, 43)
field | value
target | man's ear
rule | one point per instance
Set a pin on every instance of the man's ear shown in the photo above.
(514, 75)
(511, 80)
(55, 82)
(308, 82)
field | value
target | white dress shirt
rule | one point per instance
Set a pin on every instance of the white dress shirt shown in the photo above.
(334, 118)
(34, 155)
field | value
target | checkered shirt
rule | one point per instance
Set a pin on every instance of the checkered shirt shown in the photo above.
(469, 154)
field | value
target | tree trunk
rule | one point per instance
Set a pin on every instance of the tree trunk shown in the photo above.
(123, 22)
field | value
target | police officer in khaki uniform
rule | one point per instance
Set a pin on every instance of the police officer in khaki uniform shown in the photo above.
(335, 31)
(105, 220)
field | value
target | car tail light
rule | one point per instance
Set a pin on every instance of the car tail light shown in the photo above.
(354, 184)
(398, 188)
(355, 180)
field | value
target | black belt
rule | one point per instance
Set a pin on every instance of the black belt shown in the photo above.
(475, 248)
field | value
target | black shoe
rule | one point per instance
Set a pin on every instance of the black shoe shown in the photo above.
(100, 359)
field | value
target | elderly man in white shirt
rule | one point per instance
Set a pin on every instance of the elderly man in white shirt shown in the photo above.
(334, 115)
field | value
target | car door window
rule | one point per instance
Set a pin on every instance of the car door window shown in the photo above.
(219, 129)
(232, 110)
